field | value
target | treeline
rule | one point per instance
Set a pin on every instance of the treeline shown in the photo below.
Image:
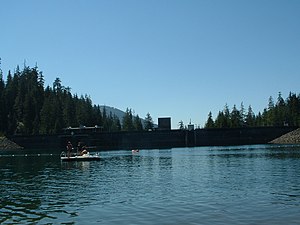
(26, 107)
(282, 113)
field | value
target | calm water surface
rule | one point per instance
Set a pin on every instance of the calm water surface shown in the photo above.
(205, 185)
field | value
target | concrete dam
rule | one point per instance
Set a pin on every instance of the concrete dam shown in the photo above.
(153, 139)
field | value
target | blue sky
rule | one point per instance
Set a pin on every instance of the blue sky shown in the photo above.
(173, 58)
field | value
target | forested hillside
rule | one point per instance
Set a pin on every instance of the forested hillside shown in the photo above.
(282, 113)
(26, 107)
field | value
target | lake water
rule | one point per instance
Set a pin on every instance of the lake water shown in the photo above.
(205, 185)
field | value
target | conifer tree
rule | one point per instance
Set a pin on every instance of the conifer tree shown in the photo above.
(269, 114)
(137, 123)
(242, 114)
(116, 124)
(10, 96)
(280, 111)
(227, 120)
(235, 118)
(293, 109)
(48, 114)
(128, 121)
(149, 125)
(98, 116)
(250, 117)
(209, 123)
(3, 125)
(221, 121)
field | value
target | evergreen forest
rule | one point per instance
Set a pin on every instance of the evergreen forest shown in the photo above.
(27, 107)
(279, 113)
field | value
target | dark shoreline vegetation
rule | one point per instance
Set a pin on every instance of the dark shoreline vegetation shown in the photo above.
(28, 108)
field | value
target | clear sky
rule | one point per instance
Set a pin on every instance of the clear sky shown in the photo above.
(177, 58)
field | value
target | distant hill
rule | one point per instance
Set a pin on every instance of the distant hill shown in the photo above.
(114, 111)
(119, 113)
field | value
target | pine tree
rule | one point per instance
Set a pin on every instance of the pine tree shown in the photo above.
(116, 124)
(81, 113)
(225, 117)
(250, 117)
(98, 116)
(293, 109)
(242, 115)
(149, 125)
(235, 118)
(221, 121)
(3, 124)
(105, 120)
(269, 114)
(47, 113)
(209, 123)
(20, 96)
(69, 110)
(137, 123)
(128, 121)
(259, 120)
(280, 111)
(10, 96)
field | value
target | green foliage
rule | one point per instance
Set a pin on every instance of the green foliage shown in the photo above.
(27, 107)
(128, 121)
(209, 124)
(137, 123)
(250, 118)
(2, 102)
(283, 113)
(149, 125)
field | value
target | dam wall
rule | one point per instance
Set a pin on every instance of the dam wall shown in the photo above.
(155, 139)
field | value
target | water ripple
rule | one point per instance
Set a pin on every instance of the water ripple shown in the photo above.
(238, 185)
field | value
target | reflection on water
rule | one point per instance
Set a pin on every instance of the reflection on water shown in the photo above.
(209, 185)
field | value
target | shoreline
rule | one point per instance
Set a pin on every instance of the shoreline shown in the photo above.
(6, 144)
(292, 137)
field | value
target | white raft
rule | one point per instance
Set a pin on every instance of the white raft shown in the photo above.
(84, 157)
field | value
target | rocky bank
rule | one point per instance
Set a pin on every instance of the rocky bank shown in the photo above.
(7, 144)
(292, 137)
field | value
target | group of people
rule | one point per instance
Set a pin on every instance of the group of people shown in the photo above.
(81, 149)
